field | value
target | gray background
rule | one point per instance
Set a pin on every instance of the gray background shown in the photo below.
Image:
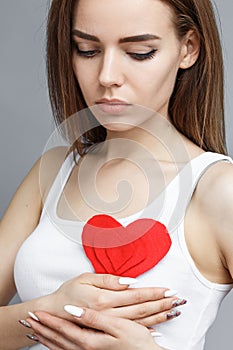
(26, 119)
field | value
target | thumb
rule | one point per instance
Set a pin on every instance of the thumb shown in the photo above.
(107, 281)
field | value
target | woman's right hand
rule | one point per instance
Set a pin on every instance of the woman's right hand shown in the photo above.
(102, 292)
(90, 329)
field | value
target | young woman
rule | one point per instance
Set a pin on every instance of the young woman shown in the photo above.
(151, 73)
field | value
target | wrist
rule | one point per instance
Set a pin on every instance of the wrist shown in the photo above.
(49, 303)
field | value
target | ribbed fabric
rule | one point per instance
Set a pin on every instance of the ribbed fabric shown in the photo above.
(53, 253)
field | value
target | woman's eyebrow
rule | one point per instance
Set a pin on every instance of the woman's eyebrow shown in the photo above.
(141, 37)
(83, 35)
(136, 38)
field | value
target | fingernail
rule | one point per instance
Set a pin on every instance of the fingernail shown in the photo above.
(173, 314)
(170, 293)
(179, 302)
(74, 310)
(32, 337)
(32, 315)
(156, 334)
(127, 280)
(25, 323)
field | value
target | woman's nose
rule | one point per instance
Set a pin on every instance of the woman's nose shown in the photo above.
(111, 73)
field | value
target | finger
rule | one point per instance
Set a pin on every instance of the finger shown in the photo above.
(112, 328)
(46, 342)
(68, 335)
(106, 281)
(143, 310)
(159, 318)
(53, 333)
(97, 320)
(119, 329)
(131, 296)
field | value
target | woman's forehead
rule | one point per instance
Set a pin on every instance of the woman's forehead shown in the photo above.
(122, 17)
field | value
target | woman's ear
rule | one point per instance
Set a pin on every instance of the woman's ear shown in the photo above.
(190, 49)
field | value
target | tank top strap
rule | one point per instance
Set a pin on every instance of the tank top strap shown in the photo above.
(179, 192)
(58, 185)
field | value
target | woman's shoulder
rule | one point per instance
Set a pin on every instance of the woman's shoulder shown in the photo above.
(214, 194)
(216, 181)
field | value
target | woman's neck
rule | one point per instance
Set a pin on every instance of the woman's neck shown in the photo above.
(156, 138)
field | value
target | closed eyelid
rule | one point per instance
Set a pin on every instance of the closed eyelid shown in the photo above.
(79, 41)
(85, 46)
(89, 46)
(138, 47)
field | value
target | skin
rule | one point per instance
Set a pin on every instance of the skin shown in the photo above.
(114, 73)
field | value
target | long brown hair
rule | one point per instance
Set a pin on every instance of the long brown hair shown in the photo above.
(196, 106)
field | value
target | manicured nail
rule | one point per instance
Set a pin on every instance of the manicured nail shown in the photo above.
(170, 293)
(127, 280)
(179, 302)
(156, 334)
(25, 323)
(32, 315)
(74, 310)
(173, 314)
(32, 337)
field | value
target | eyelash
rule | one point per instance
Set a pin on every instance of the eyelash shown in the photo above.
(136, 56)
(144, 56)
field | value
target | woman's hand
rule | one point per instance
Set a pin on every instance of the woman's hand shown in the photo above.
(147, 306)
(91, 329)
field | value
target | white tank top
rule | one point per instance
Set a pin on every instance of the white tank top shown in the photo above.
(53, 254)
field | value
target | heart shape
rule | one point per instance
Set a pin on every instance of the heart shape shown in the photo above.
(124, 251)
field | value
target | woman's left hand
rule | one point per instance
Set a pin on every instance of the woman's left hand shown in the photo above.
(102, 333)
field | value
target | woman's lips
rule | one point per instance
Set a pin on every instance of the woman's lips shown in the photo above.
(112, 106)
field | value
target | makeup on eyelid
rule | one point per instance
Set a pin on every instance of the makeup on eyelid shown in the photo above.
(135, 55)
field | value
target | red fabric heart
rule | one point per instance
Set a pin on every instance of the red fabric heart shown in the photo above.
(124, 251)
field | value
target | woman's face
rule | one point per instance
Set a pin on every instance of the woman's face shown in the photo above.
(126, 52)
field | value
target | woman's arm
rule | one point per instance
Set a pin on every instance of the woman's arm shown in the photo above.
(19, 221)
(221, 213)
(214, 199)
(23, 214)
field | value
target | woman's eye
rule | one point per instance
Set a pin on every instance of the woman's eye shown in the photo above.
(143, 56)
(134, 55)
(86, 53)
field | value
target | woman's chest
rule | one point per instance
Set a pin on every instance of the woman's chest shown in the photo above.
(120, 189)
